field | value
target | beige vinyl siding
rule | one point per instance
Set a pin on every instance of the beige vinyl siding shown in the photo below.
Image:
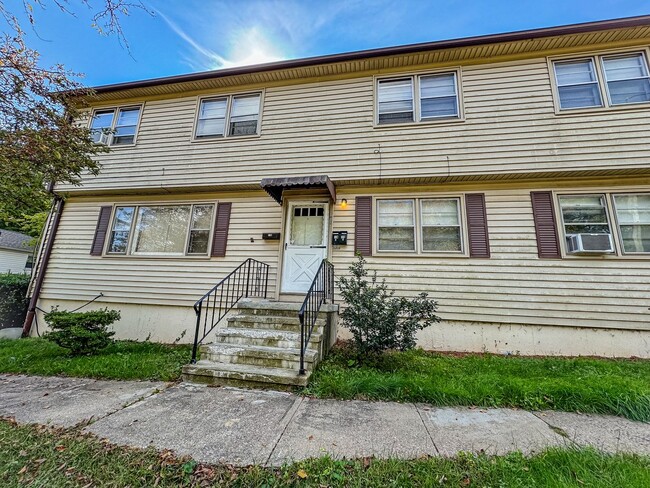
(510, 127)
(514, 285)
(12, 261)
(73, 274)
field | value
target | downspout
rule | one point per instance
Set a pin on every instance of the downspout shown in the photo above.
(40, 277)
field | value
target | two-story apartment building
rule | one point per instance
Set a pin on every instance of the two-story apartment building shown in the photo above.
(506, 175)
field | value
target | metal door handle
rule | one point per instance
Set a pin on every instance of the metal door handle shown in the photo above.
(317, 247)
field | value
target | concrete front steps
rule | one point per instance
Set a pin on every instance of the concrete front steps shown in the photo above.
(259, 345)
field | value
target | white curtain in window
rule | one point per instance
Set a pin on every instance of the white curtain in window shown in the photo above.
(441, 225)
(161, 230)
(395, 96)
(396, 225)
(212, 118)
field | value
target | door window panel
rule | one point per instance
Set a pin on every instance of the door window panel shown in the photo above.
(307, 226)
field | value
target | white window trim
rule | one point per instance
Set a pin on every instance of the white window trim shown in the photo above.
(600, 75)
(418, 227)
(226, 136)
(613, 196)
(185, 255)
(415, 88)
(116, 109)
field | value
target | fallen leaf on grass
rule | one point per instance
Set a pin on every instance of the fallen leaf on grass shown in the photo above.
(60, 448)
(302, 474)
(23, 470)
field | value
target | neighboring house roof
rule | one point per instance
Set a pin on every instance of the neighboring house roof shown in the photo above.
(15, 241)
(512, 43)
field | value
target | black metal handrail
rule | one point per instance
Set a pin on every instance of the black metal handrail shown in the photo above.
(249, 279)
(320, 291)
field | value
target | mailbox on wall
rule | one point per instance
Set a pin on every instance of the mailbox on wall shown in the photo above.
(340, 238)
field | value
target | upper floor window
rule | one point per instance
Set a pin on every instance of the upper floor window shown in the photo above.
(233, 115)
(627, 79)
(417, 98)
(599, 81)
(115, 126)
(577, 84)
(161, 230)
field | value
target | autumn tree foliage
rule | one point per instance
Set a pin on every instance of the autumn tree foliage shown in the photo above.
(41, 140)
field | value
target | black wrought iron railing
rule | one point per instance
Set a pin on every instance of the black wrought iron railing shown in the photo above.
(249, 280)
(320, 292)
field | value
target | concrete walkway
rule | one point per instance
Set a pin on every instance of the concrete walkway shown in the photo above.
(244, 427)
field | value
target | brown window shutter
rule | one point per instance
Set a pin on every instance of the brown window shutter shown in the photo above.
(477, 228)
(221, 224)
(548, 244)
(101, 230)
(363, 226)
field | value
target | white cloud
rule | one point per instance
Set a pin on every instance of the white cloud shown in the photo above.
(227, 33)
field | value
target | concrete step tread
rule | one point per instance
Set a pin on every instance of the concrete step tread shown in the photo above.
(270, 319)
(258, 351)
(284, 306)
(281, 335)
(246, 372)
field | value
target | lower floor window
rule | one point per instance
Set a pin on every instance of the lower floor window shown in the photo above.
(427, 225)
(583, 215)
(161, 229)
(633, 217)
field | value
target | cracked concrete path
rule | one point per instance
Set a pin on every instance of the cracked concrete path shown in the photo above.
(242, 427)
(67, 401)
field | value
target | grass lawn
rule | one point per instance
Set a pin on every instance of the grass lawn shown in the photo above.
(620, 387)
(38, 456)
(123, 360)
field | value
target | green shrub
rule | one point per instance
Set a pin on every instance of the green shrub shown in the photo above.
(377, 319)
(81, 332)
(13, 299)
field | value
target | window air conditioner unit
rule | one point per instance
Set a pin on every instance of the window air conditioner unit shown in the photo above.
(590, 244)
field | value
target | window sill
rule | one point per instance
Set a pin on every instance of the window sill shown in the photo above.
(605, 109)
(424, 254)
(607, 257)
(156, 257)
(112, 147)
(422, 123)
(203, 140)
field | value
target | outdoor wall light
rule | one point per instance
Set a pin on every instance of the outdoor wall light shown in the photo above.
(344, 203)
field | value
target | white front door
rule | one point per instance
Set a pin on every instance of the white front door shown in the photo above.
(305, 245)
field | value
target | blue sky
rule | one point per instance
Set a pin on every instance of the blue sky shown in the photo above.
(196, 35)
